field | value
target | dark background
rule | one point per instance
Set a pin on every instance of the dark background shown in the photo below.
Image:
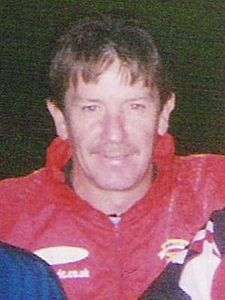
(190, 35)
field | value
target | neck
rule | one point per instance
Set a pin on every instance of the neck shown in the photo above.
(107, 201)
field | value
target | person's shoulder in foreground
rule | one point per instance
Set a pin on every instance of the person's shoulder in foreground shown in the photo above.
(197, 271)
(24, 276)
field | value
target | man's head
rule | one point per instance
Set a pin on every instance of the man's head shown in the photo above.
(111, 99)
(90, 47)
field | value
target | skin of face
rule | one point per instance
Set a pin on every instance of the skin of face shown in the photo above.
(112, 127)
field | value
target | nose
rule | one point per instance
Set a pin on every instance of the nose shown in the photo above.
(114, 129)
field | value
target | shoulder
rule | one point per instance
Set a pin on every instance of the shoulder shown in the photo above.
(20, 194)
(200, 166)
(22, 189)
(199, 184)
(20, 183)
(14, 257)
(28, 274)
(202, 160)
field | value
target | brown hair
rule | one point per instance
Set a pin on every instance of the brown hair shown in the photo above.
(90, 47)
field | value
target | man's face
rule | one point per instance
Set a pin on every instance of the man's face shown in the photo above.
(112, 127)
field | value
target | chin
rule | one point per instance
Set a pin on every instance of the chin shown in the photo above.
(117, 178)
(116, 184)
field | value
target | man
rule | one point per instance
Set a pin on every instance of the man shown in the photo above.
(24, 276)
(112, 191)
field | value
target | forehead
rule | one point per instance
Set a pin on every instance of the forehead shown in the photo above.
(114, 82)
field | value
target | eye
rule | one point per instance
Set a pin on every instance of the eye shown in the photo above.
(137, 106)
(90, 108)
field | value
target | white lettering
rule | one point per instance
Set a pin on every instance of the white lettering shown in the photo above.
(63, 274)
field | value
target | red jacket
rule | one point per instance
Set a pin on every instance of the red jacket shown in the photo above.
(95, 257)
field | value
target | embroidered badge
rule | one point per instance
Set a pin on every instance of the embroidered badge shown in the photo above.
(174, 250)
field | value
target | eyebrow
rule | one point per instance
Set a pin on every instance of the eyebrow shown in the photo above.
(93, 100)
(145, 98)
(88, 99)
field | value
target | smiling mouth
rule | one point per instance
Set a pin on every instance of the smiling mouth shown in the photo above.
(115, 154)
(115, 160)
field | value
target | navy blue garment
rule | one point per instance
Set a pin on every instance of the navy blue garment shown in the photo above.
(24, 276)
(166, 286)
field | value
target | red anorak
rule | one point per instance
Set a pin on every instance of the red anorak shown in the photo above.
(101, 258)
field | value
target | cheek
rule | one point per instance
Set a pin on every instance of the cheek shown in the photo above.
(84, 139)
(143, 122)
(144, 139)
(78, 129)
(142, 131)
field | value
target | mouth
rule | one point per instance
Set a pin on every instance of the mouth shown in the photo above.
(115, 155)
(115, 159)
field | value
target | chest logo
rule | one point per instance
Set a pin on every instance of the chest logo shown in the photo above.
(174, 250)
(62, 254)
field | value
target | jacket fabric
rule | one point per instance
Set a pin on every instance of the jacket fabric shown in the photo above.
(98, 257)
(197, 271)
(24, 276)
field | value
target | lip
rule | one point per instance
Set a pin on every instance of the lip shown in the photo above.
(114, 151)
(115, 161)
(115, 158)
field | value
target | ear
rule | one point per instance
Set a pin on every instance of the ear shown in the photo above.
(59, 120)
(165, 115)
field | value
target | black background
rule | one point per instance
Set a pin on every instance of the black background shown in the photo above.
(190, 35)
